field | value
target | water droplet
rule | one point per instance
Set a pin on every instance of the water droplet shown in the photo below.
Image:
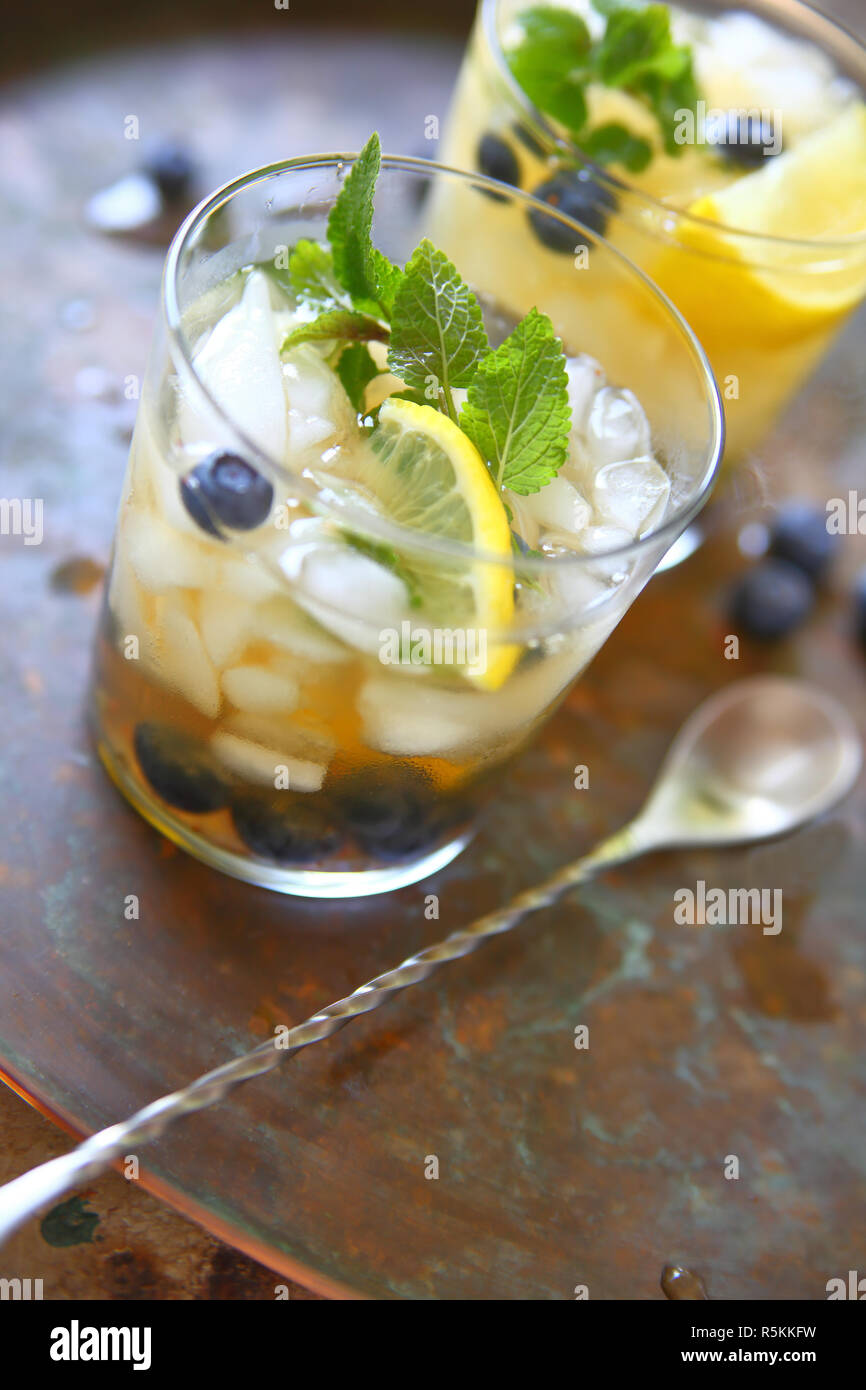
(678, 1283)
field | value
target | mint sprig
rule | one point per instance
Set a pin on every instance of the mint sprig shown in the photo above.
(361, 269)
(556, 60)
(437, 329)
(517, 412)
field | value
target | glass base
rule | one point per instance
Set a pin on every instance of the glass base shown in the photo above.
(291, 879)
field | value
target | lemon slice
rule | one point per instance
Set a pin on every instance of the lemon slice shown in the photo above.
(429, 477)
(814, 191)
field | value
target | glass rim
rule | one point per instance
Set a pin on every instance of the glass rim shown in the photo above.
(381, 527)
(544, 132)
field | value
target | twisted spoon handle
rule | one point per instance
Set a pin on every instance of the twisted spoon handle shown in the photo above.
(23, 1196)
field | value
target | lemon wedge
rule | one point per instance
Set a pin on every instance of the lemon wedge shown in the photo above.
(430, 478)
(812, 192)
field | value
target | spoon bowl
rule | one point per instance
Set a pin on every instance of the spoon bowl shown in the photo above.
(754, 761)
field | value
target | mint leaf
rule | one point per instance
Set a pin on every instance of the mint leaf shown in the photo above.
(615, 144)
(436, 327)
(337, 323)
(386, 277)
(638, 54)
(635, 42)
(556, 60)
(552, 63)
(667, 98)
(311, 277)
(364, 272)
(609, 7)
(356, 369)
(517, 413)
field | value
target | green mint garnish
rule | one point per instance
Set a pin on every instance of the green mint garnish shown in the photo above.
(615, 144)
(311, 275)
(437, 331)
(346, 324)
(517, 413)
(356, 369)
(553, 63)
(517, 410)
(556, 60)
(361, 269)
(638, 54)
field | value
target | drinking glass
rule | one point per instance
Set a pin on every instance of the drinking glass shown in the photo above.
(256, 693)
(765, 308)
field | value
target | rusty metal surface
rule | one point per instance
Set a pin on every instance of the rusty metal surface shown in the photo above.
(557, 1167)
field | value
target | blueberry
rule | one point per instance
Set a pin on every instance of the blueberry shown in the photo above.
(800, 536)
(771, 600)
(747, 140)
(172, 169)
(281, 826)
(179, 769)
(575, 193)
(227, 489)
(392, 813)
(497, 160)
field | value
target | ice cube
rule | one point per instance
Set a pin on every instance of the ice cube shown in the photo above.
(183, 662)
(558, 505)
(406, 717)
(617, 427)
(633, 494)
(280, 622)
(126, 600)
(585, 378)
(318, 408)
(296, 738)
(346, 591)
(580, 588)
(598, 540)
(224, 623)
(239, 365)
(162, 557)
(413, 719)
(257, 690)
(246, 577)
(264, 765)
